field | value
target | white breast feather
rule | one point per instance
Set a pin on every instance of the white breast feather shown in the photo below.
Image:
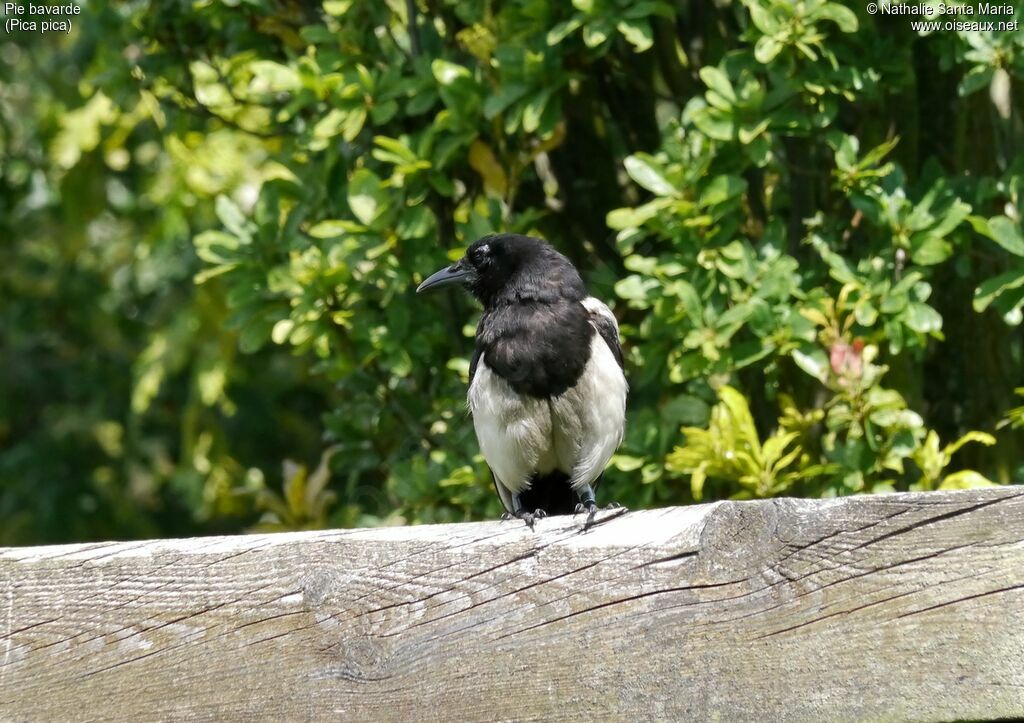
(593, 411)
(514, 431)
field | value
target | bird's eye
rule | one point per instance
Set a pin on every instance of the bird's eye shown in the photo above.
(481, 253)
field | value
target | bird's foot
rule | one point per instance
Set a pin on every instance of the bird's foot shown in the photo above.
(530, 518)
(591, 509)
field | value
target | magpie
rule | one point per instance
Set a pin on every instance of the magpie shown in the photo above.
(547, 390)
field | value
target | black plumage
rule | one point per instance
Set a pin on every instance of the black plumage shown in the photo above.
(549, 409)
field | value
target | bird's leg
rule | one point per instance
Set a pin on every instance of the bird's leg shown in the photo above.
(588, 503)
(530, 518)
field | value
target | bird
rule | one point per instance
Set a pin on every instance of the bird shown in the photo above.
(547, 386)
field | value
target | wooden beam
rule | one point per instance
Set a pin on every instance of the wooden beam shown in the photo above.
(905, 606)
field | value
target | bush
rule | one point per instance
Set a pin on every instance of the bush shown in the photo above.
(807, 218)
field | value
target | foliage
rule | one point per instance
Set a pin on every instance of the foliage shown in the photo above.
(731, 450)
(807, 219)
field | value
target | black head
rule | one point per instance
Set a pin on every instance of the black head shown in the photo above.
(509, 268)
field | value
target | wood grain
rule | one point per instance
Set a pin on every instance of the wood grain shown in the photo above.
(907, 607)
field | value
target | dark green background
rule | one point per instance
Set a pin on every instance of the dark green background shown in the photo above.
(213, 216)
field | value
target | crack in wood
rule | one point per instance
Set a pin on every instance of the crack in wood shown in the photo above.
(848, 578)
(858, 608)
(425, 550)
(533, 553)
(937, 518)
(668, 560)
(798, 548)
(999, 591)
(8, 636)
(503, 563)
(610, 603)
(532, 585)
(10, 613)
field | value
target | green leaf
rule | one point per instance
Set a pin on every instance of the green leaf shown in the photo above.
(841, 16)
(216, 247)
(690, 299)
(775, 445)
(294, 487)
(814, 363)
(641, 169)
(337, 7)
(282, 329)
(646, 8)
(637, 33)
(767, 49)
(686, 409)
(254, 335)
(505, 97)
(922, 318)
(930, 250)
(447, 73)
(534, 108)
(973, 436)
(626, 463)
(697, 480)
(1007, 234)
(966, 479)
(484, 162)
(715, 123)
(718, 81)
(353, 124)
(747, 134)
(992, 289)
(365, 195)
(596, 33)
(274, 77)
(721, 189)
(330, 125)
(951, 218)
(232, 217)
(977, 78)
(332, 228)
(763, 18)
(622, 218)
(741, 419)
(396, 148)
(457, 87)
(636, 290)
(415, 222)
(565, 28)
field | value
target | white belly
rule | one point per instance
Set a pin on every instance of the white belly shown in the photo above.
(576, 432)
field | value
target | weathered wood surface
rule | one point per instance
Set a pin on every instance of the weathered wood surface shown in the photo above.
(885, 607)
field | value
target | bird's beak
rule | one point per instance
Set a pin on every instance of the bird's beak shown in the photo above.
(446, 276)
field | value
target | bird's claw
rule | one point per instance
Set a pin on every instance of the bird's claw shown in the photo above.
(591, 510)
(530, 518)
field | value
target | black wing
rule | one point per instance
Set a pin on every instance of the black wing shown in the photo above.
(477, 352)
